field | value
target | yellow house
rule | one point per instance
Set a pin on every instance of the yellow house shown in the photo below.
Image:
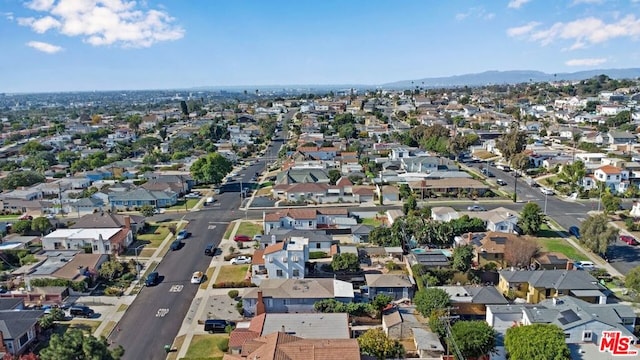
(535, 286)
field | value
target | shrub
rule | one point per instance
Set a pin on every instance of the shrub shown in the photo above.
(113, 291)
(233, 293)
(223, 345)
(390, 265)
(233, 284)
(239, 308)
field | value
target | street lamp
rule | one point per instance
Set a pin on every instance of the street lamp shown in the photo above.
(137, 262)
(546, 194)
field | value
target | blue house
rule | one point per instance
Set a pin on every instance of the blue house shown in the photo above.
(140, 197)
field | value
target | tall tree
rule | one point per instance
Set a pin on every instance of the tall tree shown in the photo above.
(41, 225)
(531, 218)
(512, 143)
(473, 338)
(536, 342)
(632, 279)
(211, 169)
(429, 299)
(519, 251)
(75, 344)
(376, 343)
(610, 203)
(573, 174)
(184, 108)
(462, 257)
(345, 262)
(596, 234)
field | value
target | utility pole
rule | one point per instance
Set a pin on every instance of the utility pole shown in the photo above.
(450, 340)
(515, 185)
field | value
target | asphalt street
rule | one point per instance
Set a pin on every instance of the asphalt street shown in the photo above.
(155, 316)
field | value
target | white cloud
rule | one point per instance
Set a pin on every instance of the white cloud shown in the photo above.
(44, 47)
(475, 12)
(7, 15)
(582, 32)
(516, 4)
(578, 2)
(522, 30)
(585, 62)
(104, 22)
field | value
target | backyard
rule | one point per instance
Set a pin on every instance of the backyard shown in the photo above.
(232, 273)
(377, 221)
(207, 347)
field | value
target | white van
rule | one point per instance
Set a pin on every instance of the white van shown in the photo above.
(546, 191)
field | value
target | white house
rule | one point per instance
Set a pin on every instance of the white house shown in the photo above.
(101, 241)
(613, 177)
(286, 260)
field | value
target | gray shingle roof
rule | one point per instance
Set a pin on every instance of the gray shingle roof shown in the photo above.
(554, 279)
(14, 324)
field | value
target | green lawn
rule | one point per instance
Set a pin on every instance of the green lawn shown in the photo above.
(560, 246)
(227, 233)
(9, 217)
(207, 278)
(266, 184)
(546, 232)
(207, 346)
(248, 228)
(372, 222)
(155, 234)
(230, 273)
(180, 204)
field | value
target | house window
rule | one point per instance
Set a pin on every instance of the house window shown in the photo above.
(278, 273)
(95, 247)
(586, 335)
(106, 247)
(296, 272)
(310, 223)
(317, 245)
(567, 335)
(547, 292)
(57, 245)
(23, 340)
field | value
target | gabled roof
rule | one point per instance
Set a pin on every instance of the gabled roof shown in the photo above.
(14, 324)
(302, 289)
(609, 169)
(553, 279)
(388, 280)
(105, 220)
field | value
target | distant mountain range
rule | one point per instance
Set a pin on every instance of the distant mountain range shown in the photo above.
(510, 77)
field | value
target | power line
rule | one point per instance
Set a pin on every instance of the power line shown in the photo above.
(450, 339)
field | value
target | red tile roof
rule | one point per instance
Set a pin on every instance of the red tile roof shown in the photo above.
(274, 248)
(609, 169)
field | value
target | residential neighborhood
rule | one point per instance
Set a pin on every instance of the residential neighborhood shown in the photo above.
(353, 224)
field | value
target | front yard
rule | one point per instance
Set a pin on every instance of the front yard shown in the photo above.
(155, 234)
(249, 229)
(180, 204)
(207, 347)
(232, 273)
(560, 245)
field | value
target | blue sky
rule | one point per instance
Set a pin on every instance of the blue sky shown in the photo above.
(69, 45)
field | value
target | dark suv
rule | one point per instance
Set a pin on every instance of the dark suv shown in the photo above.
(81, 311)
(152, 279)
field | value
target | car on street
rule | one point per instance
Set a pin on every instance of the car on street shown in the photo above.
(574, 231)
(546, 191)
(585, 265)
(175, 245)
(629, 240)
(182, 234)
(501, 182)
(242, 238)
(240, 260)
(152, 279)
(476, 208)
(192, 196)
(197, 277)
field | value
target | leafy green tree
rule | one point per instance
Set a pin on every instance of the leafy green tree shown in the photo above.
(345, 262)
(473, 338)
(334, 176)
(610, 203)
(437, 322)
(429, 299)
(211, 169)
(41, 225)
(75, 344)
(596, 234)
(21, 226)
(20, 178)
(147, 143)
(462, 257)
(531, 218)
(536, 342)
(111, 269)
(410, 204)
(573, 174)
(520, 162)
(147, 210)
(67, 156)
(381, 300)
(184, 108)
(632, 279)
(32, 147)
(512, 143)
(383, 236)
(376, 343)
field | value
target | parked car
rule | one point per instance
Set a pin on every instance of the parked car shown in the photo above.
(501, 182)
(175, 245)
(217, 325)
(585, 265)
(242, 238)
(257, 237)
(197, 277)
(547, 191)
(210, 250)
(182, 234)
(629, 240)
(81, 311)
(476, 208)
(152, 279)
(574, 231)
(192, 196)
(240, 260)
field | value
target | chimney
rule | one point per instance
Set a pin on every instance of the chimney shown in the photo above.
(260, 308)
(127, 222)
(569, 265)
(282, 329)
(555, 301)
(273, 239)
